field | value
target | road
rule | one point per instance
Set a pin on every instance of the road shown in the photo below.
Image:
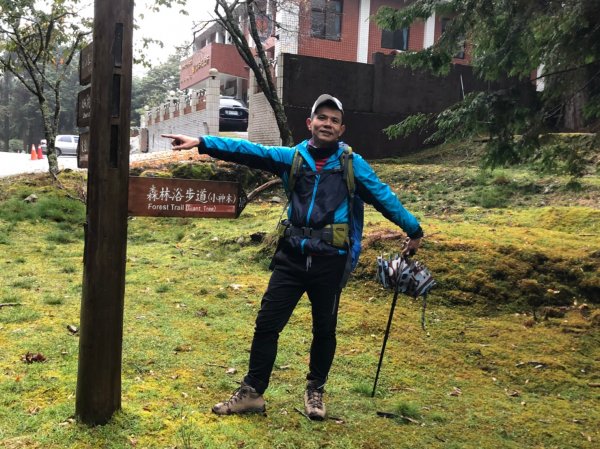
(20, 163)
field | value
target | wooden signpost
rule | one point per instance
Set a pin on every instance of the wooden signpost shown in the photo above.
(112, 195)
(98, 393)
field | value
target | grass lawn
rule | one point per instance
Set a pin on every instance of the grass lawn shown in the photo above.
(486, 373)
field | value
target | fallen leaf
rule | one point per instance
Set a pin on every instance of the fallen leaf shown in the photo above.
(31, 358)
(182, 348)
(67, 422)
(231, 371)
(455, 392)
(72, 329)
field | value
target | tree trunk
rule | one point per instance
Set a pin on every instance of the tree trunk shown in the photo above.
(575, 102)
(229, 21)
(50, 127)
(6, 118)
(574, 119)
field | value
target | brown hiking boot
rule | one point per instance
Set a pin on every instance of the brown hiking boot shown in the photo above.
(243, 400)
(313, 403)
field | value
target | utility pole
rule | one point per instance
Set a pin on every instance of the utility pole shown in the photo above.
(106, 110)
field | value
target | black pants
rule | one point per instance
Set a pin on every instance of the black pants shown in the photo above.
(292, 277)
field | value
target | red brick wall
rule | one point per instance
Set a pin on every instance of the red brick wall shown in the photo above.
(344, 49)
(415, 35)
(224, 58)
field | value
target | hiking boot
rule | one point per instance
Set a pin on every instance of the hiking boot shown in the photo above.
(243, 400)
(313, 403)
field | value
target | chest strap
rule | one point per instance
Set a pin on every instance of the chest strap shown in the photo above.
(334, 234)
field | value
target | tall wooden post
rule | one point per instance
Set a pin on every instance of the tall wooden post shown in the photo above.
(101, 325)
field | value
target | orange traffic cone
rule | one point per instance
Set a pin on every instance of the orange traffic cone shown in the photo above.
(40, 155)
(33, 153)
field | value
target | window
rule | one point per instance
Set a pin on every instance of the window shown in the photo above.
(397, 39)
(326, 19)
(461, 43)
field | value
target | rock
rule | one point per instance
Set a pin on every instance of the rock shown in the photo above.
(595, 319)
(584, 310)
(258, 237)
(31, 198)
(552, 312)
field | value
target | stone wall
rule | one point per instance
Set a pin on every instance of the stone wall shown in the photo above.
(262, 126)
(194, 115)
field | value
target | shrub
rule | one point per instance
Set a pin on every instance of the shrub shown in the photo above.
(15, 145)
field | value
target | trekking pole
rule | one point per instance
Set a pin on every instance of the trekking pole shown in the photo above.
(385, 338)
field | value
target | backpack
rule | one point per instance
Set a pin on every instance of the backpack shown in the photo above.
(355, 204)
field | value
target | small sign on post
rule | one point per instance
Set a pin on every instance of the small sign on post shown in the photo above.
(84, 107)
(85, 65)
(165, 197)
(84, 103)
(83, 148)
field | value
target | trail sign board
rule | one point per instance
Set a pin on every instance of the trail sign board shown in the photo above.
(84, 107)
(166, 197)
(85, 64)
(83, 148)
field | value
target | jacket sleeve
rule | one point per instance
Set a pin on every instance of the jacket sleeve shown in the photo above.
(375, 192)
(276, 160)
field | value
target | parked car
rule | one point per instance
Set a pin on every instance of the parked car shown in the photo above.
(233, 114)
(66, 144)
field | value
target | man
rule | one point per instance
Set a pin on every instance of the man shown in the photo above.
(310, 257)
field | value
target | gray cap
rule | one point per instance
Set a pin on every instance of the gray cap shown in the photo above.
(326, 98)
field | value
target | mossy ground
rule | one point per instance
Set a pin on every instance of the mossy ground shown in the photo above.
(485, 374)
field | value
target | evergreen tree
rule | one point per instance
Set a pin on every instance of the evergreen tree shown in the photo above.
(556, 42)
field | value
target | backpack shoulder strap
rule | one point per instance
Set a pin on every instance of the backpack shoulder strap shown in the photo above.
(348, 168)
(294, 170)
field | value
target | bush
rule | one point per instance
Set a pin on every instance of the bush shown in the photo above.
(15, 145)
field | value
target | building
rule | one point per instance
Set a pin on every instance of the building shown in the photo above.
(331, 29)
(335, 38)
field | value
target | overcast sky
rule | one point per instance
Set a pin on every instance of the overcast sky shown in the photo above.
(168, 25)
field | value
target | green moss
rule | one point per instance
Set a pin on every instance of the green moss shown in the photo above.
(192, 285)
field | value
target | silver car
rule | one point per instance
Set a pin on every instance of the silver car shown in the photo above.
(66, 144)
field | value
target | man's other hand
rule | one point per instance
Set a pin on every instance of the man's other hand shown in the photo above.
(411, 247)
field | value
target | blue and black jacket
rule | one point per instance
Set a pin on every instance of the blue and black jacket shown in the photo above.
(318, 199)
